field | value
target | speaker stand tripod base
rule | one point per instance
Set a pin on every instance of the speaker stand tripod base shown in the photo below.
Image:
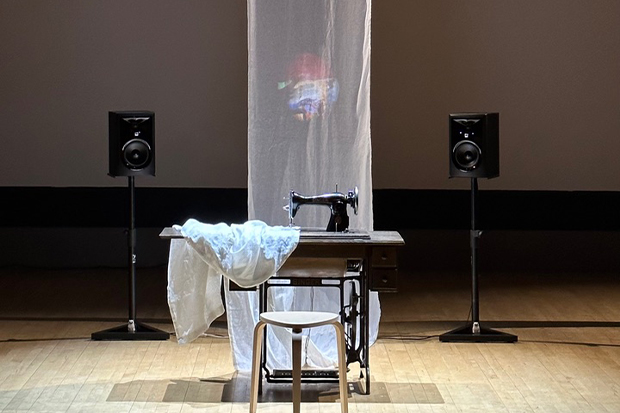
(473, 332)
(133, 330)
(477, 334)
(124, 332)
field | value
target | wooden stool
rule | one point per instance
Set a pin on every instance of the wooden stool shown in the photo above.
(298, 320)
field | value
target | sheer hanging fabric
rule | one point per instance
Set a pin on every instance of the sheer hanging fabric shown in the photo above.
(308, 131)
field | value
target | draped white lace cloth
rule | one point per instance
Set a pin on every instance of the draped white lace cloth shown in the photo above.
(247, 254)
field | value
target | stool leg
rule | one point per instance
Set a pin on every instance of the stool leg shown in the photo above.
(342, 368)
(296, 370)
(256, 356)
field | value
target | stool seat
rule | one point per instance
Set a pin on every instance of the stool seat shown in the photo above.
(298, 319)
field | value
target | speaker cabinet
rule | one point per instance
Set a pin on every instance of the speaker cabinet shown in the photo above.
(474, 145)
(132, 143)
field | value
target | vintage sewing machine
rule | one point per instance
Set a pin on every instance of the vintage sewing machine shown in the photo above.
(336, 201)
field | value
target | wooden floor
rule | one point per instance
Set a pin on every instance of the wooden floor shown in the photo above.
(567, 358)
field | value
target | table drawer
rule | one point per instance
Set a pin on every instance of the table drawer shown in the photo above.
(384, 257)
(384, 280)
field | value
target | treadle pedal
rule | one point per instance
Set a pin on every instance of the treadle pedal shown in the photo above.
(306, 374)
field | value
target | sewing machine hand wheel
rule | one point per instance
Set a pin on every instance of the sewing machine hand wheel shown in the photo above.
(353, 196)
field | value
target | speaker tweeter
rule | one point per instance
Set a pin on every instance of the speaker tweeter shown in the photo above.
(474, 145)
(132, 143)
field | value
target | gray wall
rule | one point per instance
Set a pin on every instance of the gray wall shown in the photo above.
(551, 68)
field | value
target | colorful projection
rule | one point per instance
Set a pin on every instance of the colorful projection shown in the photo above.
(311, 88)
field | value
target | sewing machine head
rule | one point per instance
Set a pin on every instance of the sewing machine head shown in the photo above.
(336, 201)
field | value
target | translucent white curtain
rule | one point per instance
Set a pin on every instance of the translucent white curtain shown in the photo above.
(308, 131)
(309, 106)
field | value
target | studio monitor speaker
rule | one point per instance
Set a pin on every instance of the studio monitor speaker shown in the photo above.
(132, 143)
(474, 145)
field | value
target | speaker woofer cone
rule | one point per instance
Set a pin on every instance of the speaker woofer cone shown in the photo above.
(136, 154)
(466, 155)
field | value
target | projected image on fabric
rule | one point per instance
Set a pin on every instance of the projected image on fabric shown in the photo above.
(308, 132)
(310, 88)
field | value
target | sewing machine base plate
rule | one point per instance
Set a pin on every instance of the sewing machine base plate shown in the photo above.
(318, 233)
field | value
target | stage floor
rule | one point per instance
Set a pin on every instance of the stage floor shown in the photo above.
(567, 358)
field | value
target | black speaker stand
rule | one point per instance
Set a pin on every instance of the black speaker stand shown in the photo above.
(133, 330)
(474, 332)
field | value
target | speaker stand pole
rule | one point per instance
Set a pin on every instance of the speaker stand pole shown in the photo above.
(473, 332)
(133, 330)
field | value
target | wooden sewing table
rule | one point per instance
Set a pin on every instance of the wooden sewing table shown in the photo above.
(376, 270)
